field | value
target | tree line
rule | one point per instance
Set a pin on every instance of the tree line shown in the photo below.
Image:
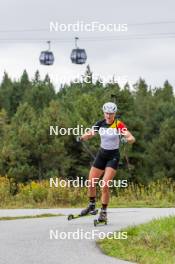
(29, 107)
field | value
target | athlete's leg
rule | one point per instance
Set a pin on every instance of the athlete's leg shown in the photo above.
(94, 175)
(108, 176)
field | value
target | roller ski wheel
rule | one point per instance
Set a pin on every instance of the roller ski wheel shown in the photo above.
(102, 219)
(97, 222)
(71, 216)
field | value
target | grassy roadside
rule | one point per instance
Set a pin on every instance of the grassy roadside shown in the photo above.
(41, 195)
(28, 216)
(115, 203)
(153, 242)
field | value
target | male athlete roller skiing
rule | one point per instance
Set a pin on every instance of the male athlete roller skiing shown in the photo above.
(107, 159)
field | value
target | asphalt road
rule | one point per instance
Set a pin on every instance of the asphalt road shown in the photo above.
(29, 241)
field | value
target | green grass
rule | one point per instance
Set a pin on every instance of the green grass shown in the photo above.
(115, 202)
(150, 243)
(28, 216)
(40, 195)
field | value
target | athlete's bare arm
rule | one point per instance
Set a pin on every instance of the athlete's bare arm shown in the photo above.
(88, 135)
(130, 138)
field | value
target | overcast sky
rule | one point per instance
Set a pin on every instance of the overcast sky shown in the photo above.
(152, 58)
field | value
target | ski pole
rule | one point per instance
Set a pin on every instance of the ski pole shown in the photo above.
(85, 147)
(88, 150)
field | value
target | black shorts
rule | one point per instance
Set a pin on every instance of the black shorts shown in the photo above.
(107, 158)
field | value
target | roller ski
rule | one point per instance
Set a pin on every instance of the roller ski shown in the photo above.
(89, 211)
(102, 219)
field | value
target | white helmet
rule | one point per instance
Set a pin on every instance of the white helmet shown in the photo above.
(109, 108)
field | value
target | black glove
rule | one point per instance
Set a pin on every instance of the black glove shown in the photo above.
(123, 140)
(78, 139)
